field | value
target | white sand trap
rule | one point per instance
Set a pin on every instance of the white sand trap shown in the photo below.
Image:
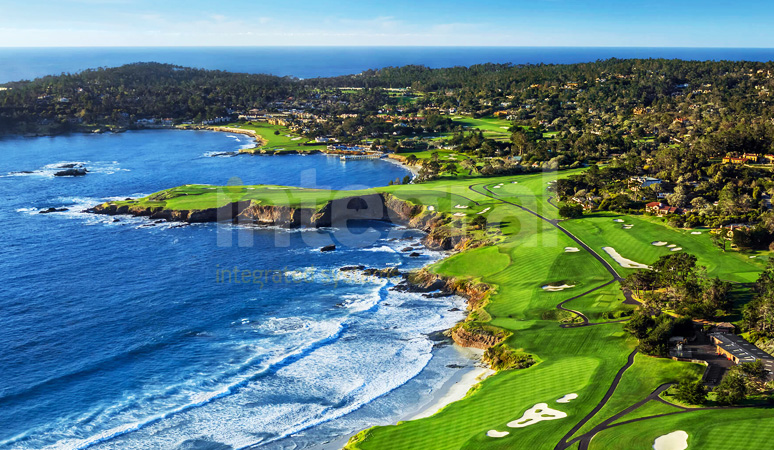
(567, 398)
(625, 263)
(484, 210)
(550, 288)
(514, 182)
(695, 232)
(537, 413)
(659, 243)
(497, 434)
(571, 249)
(676, 249)
(753, 256)
(504, 128)
(295, 139)
(627, 228)
(496, 187)
(671, 245)
(628, 225)
(460, 207)
(676, 440)
(431, 208)
(618, 220)
(460, 214)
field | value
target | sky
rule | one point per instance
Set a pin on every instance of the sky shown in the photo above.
(604, 23)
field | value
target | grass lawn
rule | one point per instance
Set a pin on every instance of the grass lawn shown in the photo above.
(642, 378)
(600, 230)
(286, 140)
(739, 429)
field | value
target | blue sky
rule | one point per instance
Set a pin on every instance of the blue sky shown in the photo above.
(654, 23)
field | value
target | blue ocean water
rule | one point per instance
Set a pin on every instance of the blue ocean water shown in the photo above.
(127, 334)
(310, 62)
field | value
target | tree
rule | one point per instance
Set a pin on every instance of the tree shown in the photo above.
(719, 239)
(639, 324)
(478, 222)
(571, 211)
(732, 389)
(691, 392)
(276, 132)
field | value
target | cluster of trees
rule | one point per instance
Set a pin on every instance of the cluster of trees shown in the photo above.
(653, 333)
(675, 282)
(759, 313)
(746, 379)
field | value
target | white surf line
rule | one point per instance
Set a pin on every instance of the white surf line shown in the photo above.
(676, 440)
(567, 398)
(497, 434)
(625, 263)
(537, 413)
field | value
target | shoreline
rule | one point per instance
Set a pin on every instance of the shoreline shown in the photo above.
(456, 387)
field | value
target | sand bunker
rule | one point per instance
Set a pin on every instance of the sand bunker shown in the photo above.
(676, 249)
(753, 256)
(625, 263)
(659, 243)
(496, 187)
(484, 210)
(514, 182)
(550, 288)
(431, 208)
(676, 440)
(537, 413)
(567, 398)
(695, 232)
(571, 249)
(460, 207)
(671, 245)
(460, 214)
(497, 434)
(618, 220)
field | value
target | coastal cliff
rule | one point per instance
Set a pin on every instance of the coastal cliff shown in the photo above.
(441, 235)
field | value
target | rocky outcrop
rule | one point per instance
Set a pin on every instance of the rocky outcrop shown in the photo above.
(475, 337)
(224, 213)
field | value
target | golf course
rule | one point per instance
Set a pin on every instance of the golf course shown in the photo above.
(556, 296)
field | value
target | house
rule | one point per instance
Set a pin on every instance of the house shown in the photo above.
(661, 209)
(751, 156)
(735, 160)
(637, 183)
(737, 349)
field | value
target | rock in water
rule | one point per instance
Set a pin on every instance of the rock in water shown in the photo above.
(51, 210)
(75, 172)
(328, 248)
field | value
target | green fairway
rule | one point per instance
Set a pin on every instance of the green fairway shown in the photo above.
(286, 140)
(735, 429)
(600, 230)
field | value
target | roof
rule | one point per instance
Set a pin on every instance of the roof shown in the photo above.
(653, 205)
(741, 349)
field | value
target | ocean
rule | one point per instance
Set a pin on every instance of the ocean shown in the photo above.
(310, 62)
(124, 333)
